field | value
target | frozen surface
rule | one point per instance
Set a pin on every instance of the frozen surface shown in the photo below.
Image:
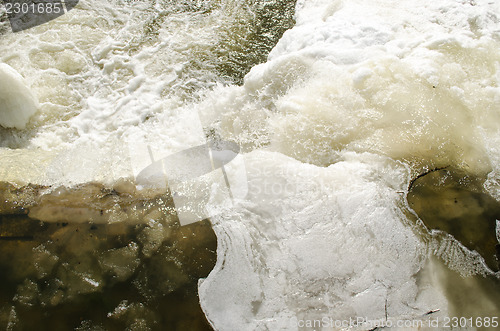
(329, 238)
(354, 101)
(325, 232)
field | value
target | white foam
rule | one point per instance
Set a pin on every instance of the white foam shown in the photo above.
(405, 80)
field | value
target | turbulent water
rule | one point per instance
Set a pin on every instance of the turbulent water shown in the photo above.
(368, 169)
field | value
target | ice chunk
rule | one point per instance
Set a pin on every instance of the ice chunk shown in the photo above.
(152, 237)
(498, 230)
(17, 102)
(44, 260)
(121, 262)
(309, 242)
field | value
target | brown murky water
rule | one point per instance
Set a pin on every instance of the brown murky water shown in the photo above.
(451, 202)
(90, 276)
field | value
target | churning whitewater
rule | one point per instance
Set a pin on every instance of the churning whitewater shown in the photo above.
(356, 100)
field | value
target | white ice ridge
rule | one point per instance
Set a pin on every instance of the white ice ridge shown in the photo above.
(311, 242)
(410, 80)
(17, 102)
(498, 230)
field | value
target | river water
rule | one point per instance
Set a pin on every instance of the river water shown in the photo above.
(366, 185)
